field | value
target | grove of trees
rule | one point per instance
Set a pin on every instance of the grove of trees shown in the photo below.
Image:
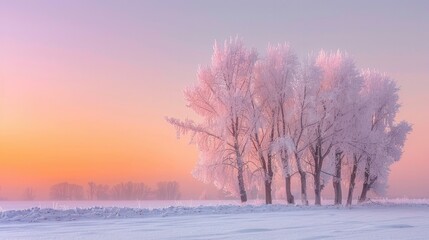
(321, 119)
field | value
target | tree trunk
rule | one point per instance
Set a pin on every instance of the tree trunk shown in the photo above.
(289, 196)
(303, 178)
(366, 182)
(352, 181)
(268, 196)
(269, 180)
(270, 174)
(365, 189)
(317, 189)
(266, 168)
(317, 155)
(243, 194)
(337, 179)
(242, 189)
(285, 159)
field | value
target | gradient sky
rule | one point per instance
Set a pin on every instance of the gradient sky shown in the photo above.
(85, 85)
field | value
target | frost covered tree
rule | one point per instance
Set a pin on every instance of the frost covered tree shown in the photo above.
(273, 93)
(348, 84)
(301, 119)
(358, 141)
(262, 124)
(386, 137)
(332, 98)
(222, 98)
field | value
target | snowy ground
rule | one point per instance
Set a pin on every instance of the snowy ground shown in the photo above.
(380, 220)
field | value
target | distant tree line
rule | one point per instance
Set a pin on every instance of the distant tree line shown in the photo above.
(66, 191)
(167, 190)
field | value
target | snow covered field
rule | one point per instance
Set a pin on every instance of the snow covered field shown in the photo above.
(378, 220)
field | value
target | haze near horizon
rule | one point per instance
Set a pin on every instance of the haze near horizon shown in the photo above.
(84, 87)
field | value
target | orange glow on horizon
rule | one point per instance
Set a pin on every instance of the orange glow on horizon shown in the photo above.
(84, 89)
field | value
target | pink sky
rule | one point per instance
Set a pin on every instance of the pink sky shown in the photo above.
(84, 87)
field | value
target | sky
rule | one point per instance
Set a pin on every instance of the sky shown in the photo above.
(85, 85)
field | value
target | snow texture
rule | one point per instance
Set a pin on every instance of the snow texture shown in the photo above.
(383, 219)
